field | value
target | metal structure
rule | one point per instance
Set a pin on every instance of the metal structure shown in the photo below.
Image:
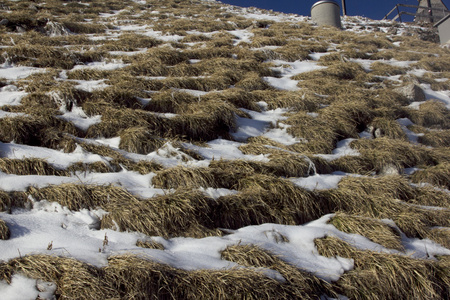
(428, 11)
(326, 12)
(344, 10)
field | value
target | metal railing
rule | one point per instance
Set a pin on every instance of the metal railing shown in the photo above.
(400, 13)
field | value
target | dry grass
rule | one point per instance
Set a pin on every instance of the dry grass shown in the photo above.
(185, 213)
(140, 278)
(441, 236)
(319, 136)
(374, 230)
(384, 276)
(28, 166)
(431, 114)
(4, 231)
(383, 69)
(139, 140)
(185, 178)
(434, 64)
(119, 161)
(149, 244)
(438, 175)
(386, 127)
(97, 167)
(9, 200)
(440, 138)
(381, 153)
(379, 199)
(345, 100)
(74, 279)
(265, 199)
(252, 256)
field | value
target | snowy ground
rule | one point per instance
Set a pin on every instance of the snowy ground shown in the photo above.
(74, 233)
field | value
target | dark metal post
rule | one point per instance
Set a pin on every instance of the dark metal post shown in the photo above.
(399, 14)
(430, 12)
(344, 10)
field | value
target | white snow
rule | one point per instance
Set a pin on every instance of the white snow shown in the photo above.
(11, 95)
(342, 149)
(76, 234)
(14, 73)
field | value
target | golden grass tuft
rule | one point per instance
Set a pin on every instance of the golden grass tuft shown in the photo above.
(28, 166)
(74, 279)
(97, 167)
(238, 97)
(438, 175)
(384, 152)
(119, 161)
(383, 69)
(382, 126)
(431, 114)
(21, 130)
(440, 235)
(319, 136)
(143, 279)
(265, 199)
(185, 213)
(383, 198)
(439, 138)
(434, 64)
(184, 177)
(386, 276)
(252, 81)
(139, 140)
(9, 200)
(149, 244)
(115, 120)
(170, 101)
(374, 230)
(252, 256)
(4, 231)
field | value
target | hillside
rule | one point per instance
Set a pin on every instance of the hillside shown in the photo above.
(188, 149)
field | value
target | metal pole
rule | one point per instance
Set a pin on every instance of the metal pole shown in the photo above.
(430, 12)
(344, 10)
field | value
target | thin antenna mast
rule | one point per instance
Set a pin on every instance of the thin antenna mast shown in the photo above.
(344, 10)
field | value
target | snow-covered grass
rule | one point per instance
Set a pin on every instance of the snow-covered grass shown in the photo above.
(215, 144)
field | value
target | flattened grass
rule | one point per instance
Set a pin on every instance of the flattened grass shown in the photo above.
(254, 257)
(28, 166)
(386, 276)
(374, 230)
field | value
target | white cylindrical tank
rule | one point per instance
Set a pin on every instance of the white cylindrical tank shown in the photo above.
(326, 12)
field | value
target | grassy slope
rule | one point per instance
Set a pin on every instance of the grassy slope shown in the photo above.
(345, 97)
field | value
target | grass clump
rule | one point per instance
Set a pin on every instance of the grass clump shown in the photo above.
(139, 140)
(436, 175)
(386, 276)
(170, 101)
(28, 166)
(374, 230)
(4, 231)
(142, 278)
(97, 167)
(185, 213)
(9, 200)
(435, 138)
(252, 256)
(377, 155)
(319, 137)
(82, 280)
(149, 244)
(383, 198)
(265, 199)
(432, 114)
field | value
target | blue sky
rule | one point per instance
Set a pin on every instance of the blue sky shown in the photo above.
(374, 9)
